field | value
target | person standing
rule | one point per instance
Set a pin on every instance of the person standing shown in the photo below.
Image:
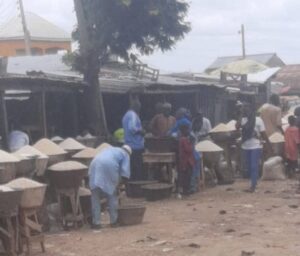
(182, 119)
(292, 142)
(17, 138)
(163, 122)
(271, 115)
(253, 130)
(134, 137)
(201, 127)
(106, 171)
(186, 160)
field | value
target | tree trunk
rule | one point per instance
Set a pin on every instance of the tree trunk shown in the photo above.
(93, 97)
(95, 113)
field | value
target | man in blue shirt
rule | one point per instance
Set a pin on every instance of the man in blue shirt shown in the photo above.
(105, 174)
(134, 137)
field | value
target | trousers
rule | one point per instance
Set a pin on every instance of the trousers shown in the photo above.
(136, 162)
(113, 204)
(252, 160)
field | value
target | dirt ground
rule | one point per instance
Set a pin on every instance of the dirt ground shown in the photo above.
(222, 221)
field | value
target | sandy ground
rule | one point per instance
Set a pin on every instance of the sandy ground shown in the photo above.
(264, 223)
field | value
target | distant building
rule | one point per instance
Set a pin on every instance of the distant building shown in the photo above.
(46, 38)
(269, 59)
(289, 76)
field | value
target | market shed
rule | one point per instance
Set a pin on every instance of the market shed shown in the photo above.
(119, 85)
(32, 99)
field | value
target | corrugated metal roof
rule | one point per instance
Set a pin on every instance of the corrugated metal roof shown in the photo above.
(261, 58)
(290, 76)
(121, 81)
(39, 28)
(263, 76)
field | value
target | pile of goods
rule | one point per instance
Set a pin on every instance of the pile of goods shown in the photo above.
(88, 140)
(67, 174)
(85, 156)
(222, 132)
(211, 152)
(32, 162)
(71, 146)
(53, 151)
(32, 192)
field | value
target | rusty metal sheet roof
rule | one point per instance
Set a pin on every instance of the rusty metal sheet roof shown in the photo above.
(289, 76)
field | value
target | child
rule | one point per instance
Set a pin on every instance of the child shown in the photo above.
(186, 159)
(292, 142)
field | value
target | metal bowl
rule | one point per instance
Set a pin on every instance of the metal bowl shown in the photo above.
(67, 179)
(134, 188)
(26, 167)
(159, 191)
(8, 172)
(54, 159)
(32, 197)
(131, 214)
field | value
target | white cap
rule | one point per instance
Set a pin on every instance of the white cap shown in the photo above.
(127, 149)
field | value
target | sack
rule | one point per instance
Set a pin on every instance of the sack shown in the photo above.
(225, 173)
(273, 169)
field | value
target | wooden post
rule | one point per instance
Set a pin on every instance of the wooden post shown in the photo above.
(75, 114)
(43, 114)
(4, 119)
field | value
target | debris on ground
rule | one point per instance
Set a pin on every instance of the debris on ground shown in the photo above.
(194, 245)
(244, 253)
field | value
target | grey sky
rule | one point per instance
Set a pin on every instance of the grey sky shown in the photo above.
(271, 26)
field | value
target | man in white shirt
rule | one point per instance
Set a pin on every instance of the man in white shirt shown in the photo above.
(17, 139)
(253, 131)
(201, 127)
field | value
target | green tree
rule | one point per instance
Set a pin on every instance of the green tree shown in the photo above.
(116, 27)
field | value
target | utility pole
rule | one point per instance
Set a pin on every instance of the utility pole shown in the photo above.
(243, 41)
(25, 29)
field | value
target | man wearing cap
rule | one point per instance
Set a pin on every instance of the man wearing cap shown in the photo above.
(107, 170)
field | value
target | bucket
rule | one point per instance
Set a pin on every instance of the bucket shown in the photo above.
(131, 214)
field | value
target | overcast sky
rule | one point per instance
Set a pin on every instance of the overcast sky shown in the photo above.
(271, 26)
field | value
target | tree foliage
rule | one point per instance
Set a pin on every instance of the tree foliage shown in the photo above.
(117, 26)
